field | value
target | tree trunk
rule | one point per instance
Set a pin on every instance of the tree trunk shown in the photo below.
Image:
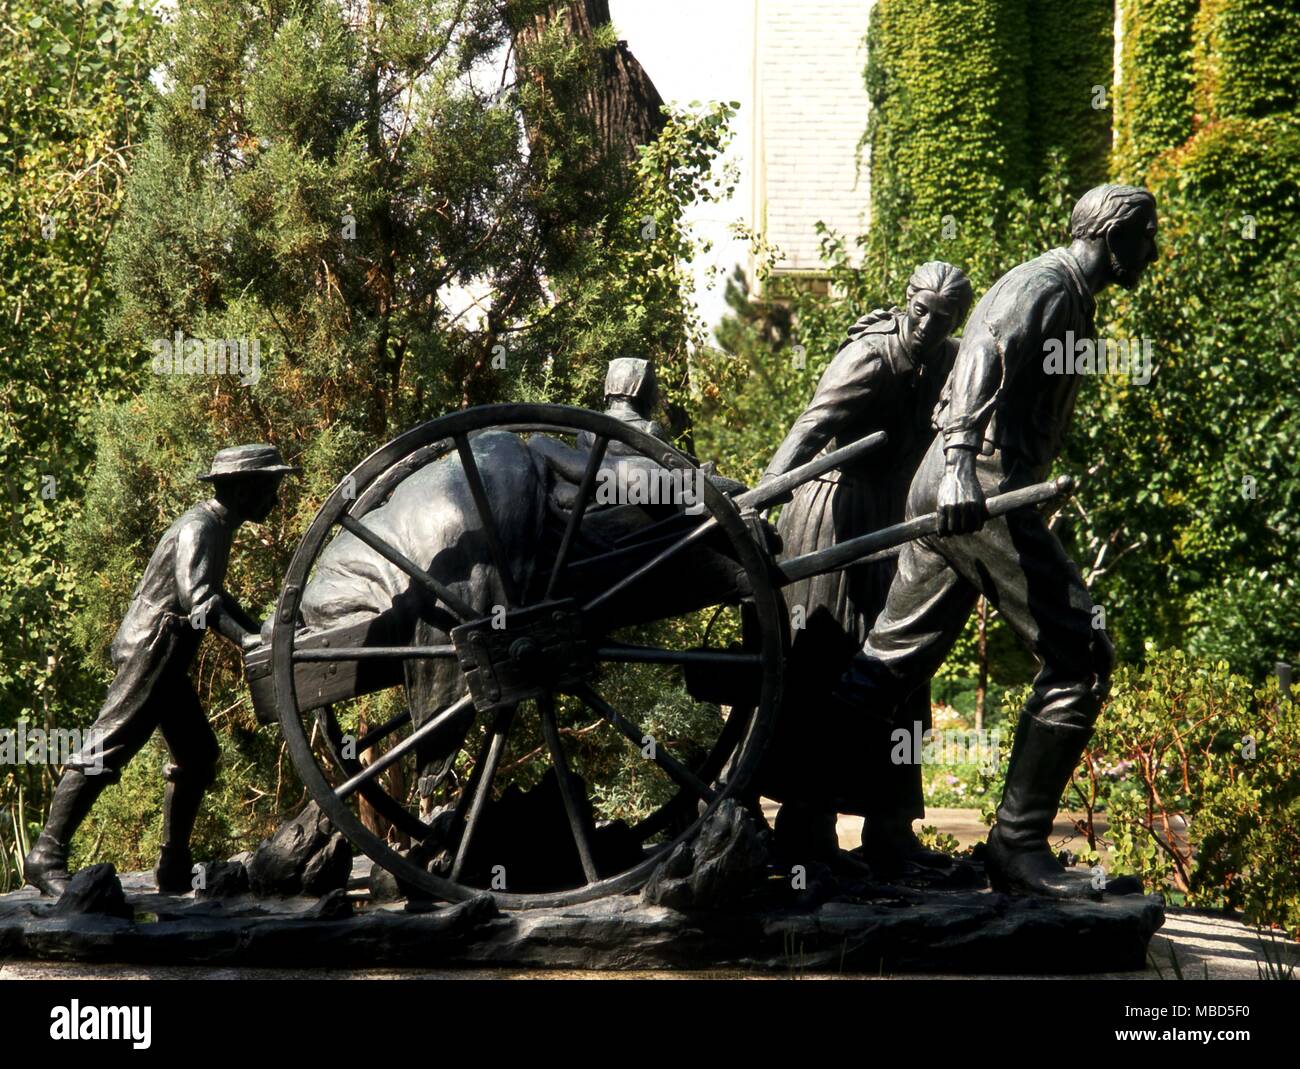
(625, 106)
(625, 111)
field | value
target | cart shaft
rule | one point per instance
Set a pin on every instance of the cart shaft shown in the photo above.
(857, 550)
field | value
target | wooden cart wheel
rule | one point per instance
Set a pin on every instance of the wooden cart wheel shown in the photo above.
(525, 683)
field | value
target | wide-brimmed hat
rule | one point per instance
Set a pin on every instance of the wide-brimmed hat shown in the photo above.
(242, 460)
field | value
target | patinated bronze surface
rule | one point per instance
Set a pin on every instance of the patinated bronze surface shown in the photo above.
(886, 377)
(475, 561)
(1001, 423)
(179, 597)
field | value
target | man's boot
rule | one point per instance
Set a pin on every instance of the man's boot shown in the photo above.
(1019, 860)
(175, 870)
(46, 865)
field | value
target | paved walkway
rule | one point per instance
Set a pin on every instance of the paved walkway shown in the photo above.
(964, 825)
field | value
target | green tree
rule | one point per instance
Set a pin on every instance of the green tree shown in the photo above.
(73, 83)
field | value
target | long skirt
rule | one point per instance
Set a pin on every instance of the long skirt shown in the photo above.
(813, 757)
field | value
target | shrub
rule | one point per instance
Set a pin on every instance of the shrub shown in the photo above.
(1194, 767)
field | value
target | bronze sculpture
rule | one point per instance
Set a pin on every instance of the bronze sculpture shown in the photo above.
(472, 561)
(1003, 418)
(632, 394)
(179, 596)
(886, 376)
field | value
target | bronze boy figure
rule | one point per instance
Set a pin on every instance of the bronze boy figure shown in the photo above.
(179, 596)
(1002, 424)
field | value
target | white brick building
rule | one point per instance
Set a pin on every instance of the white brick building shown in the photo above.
(810, 112)
(795, 68)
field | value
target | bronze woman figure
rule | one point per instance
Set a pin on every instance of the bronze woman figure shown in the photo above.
(887, 375)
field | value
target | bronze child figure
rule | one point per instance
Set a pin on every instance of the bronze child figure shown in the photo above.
(178, 598)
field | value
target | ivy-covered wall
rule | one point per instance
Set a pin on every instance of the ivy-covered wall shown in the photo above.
(974, 99)
(1207, 105)
(1154, 110)
(1202, 80)
(1244, 153)
(949, 115)
(1246, 58)
(1210, 122)
(1068, 82)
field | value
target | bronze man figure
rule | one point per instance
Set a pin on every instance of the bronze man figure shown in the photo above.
(886, 376)
(179, 596)
(1003, 419)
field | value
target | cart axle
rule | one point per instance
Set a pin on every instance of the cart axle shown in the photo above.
(509, 657)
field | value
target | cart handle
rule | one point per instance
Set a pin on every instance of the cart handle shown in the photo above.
(779, 489)
(855, 550)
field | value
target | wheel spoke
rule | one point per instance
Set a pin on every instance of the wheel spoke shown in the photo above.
(382, 732)
(660, 529)
(579, 509)
(385, 805)
(572, 566)
(470, 791)
(723, 749)
(572, 804)
(401, 560)
(373, 653)
(613, 556)
(678, 772)
(483, 790)
(346, 789)
(479, 492)
(682, 543)
(629, 654)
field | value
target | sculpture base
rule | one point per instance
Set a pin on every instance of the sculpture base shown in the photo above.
(934, 932)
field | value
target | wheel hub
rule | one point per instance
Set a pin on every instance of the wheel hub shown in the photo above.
(511, 657)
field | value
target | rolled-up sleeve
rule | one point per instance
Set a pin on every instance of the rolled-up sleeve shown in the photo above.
(199, 568)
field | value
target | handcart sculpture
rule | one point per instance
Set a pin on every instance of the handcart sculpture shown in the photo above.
(483, 563)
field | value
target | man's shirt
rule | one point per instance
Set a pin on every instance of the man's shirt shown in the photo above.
(1000, 400)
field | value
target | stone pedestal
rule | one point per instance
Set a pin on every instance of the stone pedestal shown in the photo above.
(960, 931)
